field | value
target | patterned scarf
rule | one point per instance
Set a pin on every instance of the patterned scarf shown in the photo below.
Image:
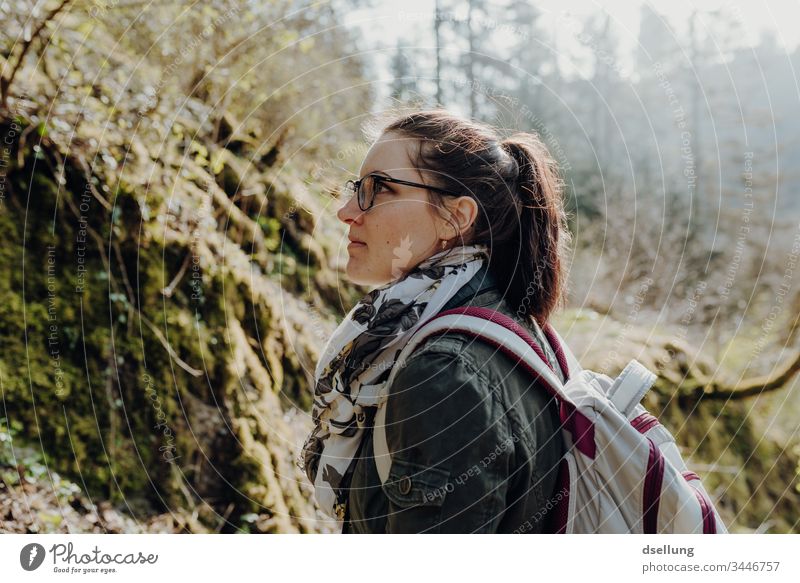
(358, 360)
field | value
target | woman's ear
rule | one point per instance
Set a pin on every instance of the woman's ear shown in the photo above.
(462, 214)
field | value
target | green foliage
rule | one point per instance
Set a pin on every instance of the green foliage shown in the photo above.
(19, 463)
(149, 239)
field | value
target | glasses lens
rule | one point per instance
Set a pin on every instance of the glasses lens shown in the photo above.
(366, 194)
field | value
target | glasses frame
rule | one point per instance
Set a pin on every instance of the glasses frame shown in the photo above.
(355, 187)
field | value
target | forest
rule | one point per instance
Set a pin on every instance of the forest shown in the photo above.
(173, 266)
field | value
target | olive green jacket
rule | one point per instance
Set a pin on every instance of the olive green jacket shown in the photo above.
(475, 441)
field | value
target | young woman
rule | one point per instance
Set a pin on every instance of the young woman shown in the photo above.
(445, 213)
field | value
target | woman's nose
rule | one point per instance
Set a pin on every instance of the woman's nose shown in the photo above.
(350, 211)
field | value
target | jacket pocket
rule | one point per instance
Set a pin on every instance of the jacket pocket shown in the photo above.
(412, 484)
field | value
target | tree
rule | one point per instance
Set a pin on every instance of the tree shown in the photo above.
(404, 80)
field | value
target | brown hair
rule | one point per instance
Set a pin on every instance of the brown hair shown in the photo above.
(518, 188)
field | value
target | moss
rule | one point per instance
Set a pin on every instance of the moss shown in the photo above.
(105, 423)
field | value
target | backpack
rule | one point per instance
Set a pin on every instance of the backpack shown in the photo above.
(622, 472)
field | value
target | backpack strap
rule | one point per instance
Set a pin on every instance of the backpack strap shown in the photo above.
(510, 324)
(499, 331)
(508, 336)
(558, 345)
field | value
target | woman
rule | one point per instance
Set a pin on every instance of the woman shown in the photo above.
(445, 213)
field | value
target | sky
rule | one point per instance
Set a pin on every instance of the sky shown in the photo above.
(387, 21)
(777, 16)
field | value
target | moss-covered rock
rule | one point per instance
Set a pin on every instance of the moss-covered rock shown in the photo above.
(152, 345)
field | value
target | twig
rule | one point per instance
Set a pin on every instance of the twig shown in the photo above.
(5, 84)
(167, 291)
(84, 166)
(191, 370)
(224, 518)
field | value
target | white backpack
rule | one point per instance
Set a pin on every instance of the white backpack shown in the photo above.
(622, 472)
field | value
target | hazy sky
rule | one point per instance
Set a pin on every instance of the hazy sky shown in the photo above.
(411, 20)
(390, 19)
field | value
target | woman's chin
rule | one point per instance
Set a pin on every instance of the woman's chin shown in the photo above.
(358, 277)
(354, 275)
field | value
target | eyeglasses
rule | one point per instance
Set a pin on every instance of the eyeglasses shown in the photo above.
(369, 186)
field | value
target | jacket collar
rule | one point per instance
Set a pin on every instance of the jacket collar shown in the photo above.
(481, 283)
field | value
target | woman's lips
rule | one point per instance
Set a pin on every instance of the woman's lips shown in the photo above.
(355, 243)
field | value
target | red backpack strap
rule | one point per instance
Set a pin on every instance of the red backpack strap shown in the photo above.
(509, 323)
(581, 427)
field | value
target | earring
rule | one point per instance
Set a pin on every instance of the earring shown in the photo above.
(443, 244)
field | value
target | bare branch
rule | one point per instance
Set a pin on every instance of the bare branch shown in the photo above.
(5, 84)
(756, 385)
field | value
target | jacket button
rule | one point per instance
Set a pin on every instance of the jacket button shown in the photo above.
(405, 485)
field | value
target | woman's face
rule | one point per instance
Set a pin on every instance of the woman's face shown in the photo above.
(402, 229)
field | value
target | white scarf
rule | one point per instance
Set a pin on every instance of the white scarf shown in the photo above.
(358, 359)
